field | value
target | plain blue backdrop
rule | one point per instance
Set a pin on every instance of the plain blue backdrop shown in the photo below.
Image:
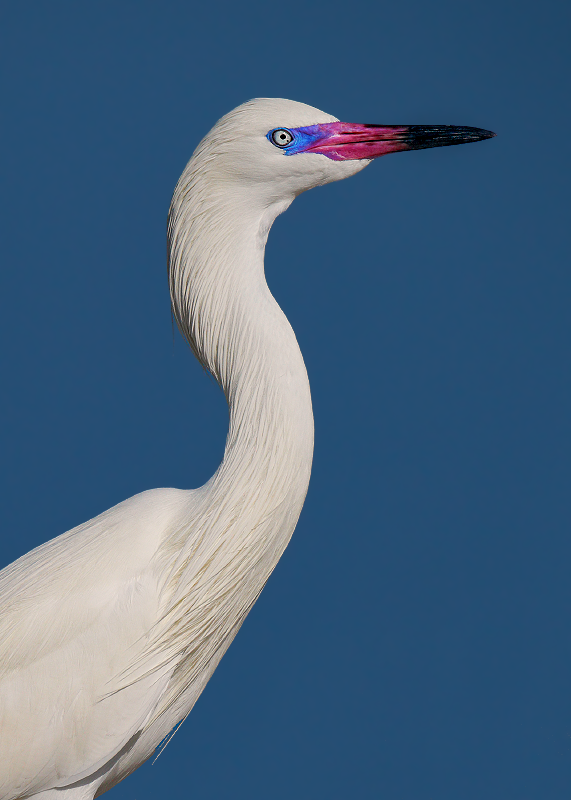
(414, 641)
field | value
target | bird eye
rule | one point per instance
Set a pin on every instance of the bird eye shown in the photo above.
(282, 137)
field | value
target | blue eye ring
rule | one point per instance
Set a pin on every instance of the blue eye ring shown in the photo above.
(281, 137)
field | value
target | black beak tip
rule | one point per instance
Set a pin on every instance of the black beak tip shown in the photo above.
(420, 136)
(463, 134)
(480, 133)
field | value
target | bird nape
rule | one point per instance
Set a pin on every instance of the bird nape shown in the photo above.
(109, 633)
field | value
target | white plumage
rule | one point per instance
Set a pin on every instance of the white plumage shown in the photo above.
(109, 633)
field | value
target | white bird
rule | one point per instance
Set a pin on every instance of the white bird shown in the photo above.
(109, 633)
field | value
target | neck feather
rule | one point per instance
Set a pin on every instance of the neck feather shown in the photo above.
(240, 522)
(237, 330)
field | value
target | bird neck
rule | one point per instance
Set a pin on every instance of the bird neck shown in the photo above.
(222, 551)
(238, 332)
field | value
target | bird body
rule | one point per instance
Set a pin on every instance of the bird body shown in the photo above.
(109, 633)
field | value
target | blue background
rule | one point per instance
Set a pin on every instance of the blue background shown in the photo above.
(414, 641)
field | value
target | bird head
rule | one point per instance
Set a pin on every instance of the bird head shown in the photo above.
(279, 148)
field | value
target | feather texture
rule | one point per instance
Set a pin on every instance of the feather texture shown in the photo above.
(109, 633)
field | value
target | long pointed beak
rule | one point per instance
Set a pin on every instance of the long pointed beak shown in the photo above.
(342, 141)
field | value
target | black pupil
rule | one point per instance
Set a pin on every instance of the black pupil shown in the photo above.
(282, 137)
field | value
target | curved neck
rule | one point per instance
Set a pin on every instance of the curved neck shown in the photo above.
(221, 553)
(238, 332)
